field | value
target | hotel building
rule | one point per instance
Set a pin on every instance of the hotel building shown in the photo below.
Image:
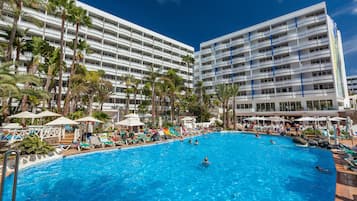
(292, 65)
(352, 84)
(118, 47)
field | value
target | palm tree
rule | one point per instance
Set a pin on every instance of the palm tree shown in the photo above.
(234, 89)
(61, 8)
(188, 60)
(135, 89)
(19, 42)
(105, 89)
(151, 79)
(92, 80)
(79, 18)
(8, 87)
(223, 94)
(16, 6)
(175, 86)
(128, 82)
(39, 49)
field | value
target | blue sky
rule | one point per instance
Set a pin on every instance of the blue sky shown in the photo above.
(196, 21)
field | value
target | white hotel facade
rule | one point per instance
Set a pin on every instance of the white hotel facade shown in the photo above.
(292, 65)
(118, 47)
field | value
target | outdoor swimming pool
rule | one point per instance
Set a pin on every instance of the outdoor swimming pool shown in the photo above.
(242, 168)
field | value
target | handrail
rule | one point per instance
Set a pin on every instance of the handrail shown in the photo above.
(17, 160)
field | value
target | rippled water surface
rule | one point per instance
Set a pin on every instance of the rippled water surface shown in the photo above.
(242, 168)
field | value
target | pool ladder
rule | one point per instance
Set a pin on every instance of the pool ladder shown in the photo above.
(4, 167)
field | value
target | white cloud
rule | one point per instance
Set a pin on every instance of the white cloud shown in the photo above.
(349, 8)
(350, 45)
(168, 1)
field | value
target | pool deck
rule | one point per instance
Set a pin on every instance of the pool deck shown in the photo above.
(346, 180)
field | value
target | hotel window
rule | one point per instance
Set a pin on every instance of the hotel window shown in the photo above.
(320, 61)
(319, 105)
(265, 107)
(321, 73)
(315, 25)
(290, 106)
(323, 86)
(283, 78)
(287, 66)
(266, 70)
(284, 90)
(242, 93)
(244, 106)
(266, 80)
(268, 91)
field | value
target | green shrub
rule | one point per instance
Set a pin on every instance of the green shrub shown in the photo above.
(101, 116)
(310, 131)
(34, 145)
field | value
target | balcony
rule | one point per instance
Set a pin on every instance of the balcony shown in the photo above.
(110, 37)
(109, 59)
(205, 51)
(279, 29)
(289, 37)
(95, 33)
(97, 22)
(312, 55)
(261, 44)
(109, 48)
(237, 42)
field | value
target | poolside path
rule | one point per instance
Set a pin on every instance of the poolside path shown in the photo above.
(346, 180)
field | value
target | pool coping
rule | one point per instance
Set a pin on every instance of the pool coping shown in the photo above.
(342, 192)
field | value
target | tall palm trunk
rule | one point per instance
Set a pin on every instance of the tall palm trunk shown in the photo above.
(172, 103)
(60, 69)
(73, 70)
(234, 114)
(127, 103)
(135, 101)
(14, 29)
(32, 70)
(90, 105)
(153, 114)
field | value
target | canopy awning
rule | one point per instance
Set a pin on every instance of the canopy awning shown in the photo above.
(62, 121)
(89, 119)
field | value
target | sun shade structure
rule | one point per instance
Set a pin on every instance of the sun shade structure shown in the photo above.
(132, 115)
(12, 126)
(255, 119)
(62, 121)
(25, 115)
(132, 120)
(277, 119)
(48, 114)
(306, 119)
(337, 119)
(88, 119)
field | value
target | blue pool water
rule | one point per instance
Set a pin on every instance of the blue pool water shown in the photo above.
(242, 168)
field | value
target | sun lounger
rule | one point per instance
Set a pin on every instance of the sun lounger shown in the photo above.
(95, 142)
(143, 138)
(83, 145)
(105, 141)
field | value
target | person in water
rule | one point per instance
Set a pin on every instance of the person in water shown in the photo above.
(181, 139)
(190, 141)
(205, 162)
(257, 135)
(321, 169)
(196, 142)
(272, 141)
